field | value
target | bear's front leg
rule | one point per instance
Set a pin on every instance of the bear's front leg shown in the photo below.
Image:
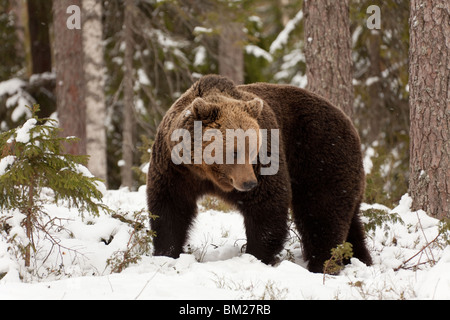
(266, 229)
(175, 208)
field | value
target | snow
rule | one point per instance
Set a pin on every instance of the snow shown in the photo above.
(85, 172)
(200, 56)
(11, 86)
(290, 63)
(143, 79)
(214, 265)
(355, 36)
(21, 100)
(435, 284)
(200, 30)
(23, 134)
(5, 163)
(256, 20)
(258, 52)
(121, 163)
(283, 36)
(372, 80)
(367, 161)
(17, 97)
(34, 78)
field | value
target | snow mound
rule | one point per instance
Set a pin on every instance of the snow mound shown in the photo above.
(215, 265)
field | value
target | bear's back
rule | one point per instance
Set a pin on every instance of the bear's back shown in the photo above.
(313, 130)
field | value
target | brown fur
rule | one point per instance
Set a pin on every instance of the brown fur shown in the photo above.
(320, 173)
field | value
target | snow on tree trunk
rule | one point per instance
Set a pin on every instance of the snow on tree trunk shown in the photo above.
(70, 88)
(95, 97)
(429, 83)
(328, 51)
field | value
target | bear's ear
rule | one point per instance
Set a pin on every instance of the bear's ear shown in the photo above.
(254, 107)
(204, 111)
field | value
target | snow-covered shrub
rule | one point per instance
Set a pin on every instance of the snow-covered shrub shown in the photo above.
(378, 218)
(34, 170)
(139, 242)
(444, 232)
(339, 254)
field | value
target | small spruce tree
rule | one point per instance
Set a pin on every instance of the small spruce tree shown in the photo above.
(339, 255)
(32, 158)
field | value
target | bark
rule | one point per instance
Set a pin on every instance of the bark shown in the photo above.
(95, 97)
(429, 83)
(231, 54)
(328, 51)
(70, 88)
(20, 10)
(128, 113)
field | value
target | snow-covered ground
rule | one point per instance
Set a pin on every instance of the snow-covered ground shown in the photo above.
(216, 268)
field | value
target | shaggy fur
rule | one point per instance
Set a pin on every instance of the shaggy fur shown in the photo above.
(320, 173)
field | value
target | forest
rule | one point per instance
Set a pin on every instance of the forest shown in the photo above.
(106, 72)
(130, 60)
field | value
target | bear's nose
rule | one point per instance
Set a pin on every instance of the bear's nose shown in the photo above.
(249, 185)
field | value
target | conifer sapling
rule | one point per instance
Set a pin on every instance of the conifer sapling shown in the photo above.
(33, 159)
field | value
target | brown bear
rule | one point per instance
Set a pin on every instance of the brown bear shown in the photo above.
(315, 157)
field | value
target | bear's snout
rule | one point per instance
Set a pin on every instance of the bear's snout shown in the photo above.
(245, 186)
(249, 185)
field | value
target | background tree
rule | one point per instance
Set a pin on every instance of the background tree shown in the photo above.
(128, 111)
(430, 106)
(381, 110)
(94, 79)
(70, 88)
(176, 42)
(39, 18)
(12, 35)
(328, 51)
(231, 53)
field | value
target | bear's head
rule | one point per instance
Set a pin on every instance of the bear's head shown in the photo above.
(224, 138)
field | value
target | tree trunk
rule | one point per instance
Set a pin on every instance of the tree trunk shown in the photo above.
(95, 97)
(70, 89)
(328, 51)
(22, 46)
(128, 113)
(429, 83)
(38, 24)
(231, 53)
